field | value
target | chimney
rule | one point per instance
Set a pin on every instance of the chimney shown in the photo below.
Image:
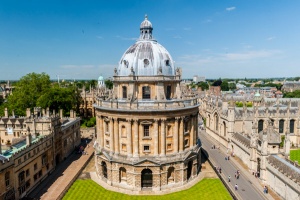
(47, 112)
(28, 112)
(5, 112)
(43, 112)
(54, 113)
(13, 113)
(61, 113)
(71, 114)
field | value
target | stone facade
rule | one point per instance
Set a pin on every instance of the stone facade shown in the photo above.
(31, 147)
(147, 130)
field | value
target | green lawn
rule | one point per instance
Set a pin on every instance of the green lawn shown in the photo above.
(295, 155)
(207, 189)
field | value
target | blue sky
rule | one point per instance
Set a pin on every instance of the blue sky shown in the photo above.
(84, 39)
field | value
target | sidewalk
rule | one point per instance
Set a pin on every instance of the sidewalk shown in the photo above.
(257, 184)
(55, 186)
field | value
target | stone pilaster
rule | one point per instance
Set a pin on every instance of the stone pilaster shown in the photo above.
(155, 127)
(129, 140)
(181, 135)
(101, 133)
(116, 135)
(192, 131)
(111, 134)
(175, 137)
(163, 137)
(136, 138)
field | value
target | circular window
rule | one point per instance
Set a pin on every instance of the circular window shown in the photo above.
(146, 62)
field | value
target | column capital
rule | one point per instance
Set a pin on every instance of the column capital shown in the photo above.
(115, 118)
(129, 119)
(177, 118)
(136, 120)
(163, 119)
(156, 120)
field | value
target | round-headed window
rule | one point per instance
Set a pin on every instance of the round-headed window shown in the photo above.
(125, 62)
(146, 62)
(167, 62)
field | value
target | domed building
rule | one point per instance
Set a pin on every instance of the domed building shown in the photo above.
(147, 135)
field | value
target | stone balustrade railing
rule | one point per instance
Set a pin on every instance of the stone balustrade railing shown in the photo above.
(145, 104)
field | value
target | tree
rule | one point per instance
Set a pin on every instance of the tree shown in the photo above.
(295, 94)
(203, 86)
(224, 86)
(217, 82)
(231, 86)
(108, 83)
(26, 92)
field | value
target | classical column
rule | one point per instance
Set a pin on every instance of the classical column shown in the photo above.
(101, 133)
(176, 135)
(129, 140)
(192, 131)
(163, 137)
(136, 138)
(181, 135)
(111, 134)
(155, 137)
(116, 135)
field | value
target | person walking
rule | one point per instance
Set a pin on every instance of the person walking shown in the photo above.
(229, 178)
(236, 187)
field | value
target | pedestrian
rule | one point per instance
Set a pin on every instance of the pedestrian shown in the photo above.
(236, 187)
(220, 170)
(234, 174)
(229, 178)
(238, 176)
(265, 189)
(228, 157)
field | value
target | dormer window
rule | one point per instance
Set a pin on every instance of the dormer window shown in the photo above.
(146, 62)
(125, 62)
(167, 62)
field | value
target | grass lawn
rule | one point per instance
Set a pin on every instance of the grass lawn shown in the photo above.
(207, 189)
(295, 155)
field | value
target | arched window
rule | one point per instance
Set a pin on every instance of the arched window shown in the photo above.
(122, 174)
(7, 179)
(106, 126)
(292, 125)
(124, 92)
(260, 125)
(216, 122)
(104, 169)
(168, 93)
(186, 126)
(146, 92)
(171, 177)
(281, 126)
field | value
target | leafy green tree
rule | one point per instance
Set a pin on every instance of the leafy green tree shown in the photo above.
(295, 94)
(224, 86)
(231, 86)
(108, 83)
(26, 92)
(217, 82)
(203, 85)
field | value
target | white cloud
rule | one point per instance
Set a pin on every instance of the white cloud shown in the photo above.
(187, 28)
(230, 8)
(250, 55)
(177, 37)
(271, 38)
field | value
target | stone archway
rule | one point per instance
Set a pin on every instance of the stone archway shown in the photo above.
(146, 178)
(104, 169)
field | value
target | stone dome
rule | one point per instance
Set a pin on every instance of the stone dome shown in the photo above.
(146, 57)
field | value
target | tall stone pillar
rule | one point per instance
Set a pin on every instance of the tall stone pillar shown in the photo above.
(111, 134)
(129, 140)
(101, 133)
(116, 135)
(181, 135)
(192, 131)
(163, 137)
(136, 138)
(175, 137)
(155, 137)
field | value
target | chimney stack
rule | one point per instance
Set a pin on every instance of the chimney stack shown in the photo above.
(28, 112)
(5, 112)
(28, 137)
(61, 113)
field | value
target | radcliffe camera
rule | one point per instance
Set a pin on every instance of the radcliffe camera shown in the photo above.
(149, 99)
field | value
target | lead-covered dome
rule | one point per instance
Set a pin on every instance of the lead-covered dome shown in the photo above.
(146, 57)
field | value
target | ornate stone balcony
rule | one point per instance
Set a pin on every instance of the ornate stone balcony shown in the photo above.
(146, 105)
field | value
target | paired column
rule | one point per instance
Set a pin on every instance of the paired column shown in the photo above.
(176, 135)
(181, 135)
(192, 132)
(155, 137)
(101, 133)
(129, 138)
(136, 138)
(163, 137)
(111, 134)
(116, 135)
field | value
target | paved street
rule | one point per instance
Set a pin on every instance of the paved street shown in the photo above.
(249, 187)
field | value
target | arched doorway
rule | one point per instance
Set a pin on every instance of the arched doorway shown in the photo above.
(147, 178)
(189, 170)
(170, 176)
(104, 169)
